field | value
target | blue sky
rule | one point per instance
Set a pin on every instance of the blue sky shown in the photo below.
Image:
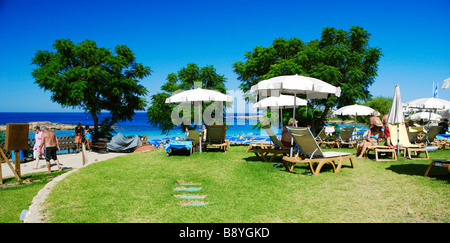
(166, 35)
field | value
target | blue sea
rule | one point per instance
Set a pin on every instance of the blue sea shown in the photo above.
(138, 126)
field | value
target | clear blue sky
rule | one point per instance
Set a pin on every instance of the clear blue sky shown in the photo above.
(166, 35)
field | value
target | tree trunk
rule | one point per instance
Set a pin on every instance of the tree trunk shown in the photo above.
(94, 116)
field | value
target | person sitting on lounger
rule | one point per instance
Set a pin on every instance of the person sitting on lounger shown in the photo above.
(285, 135)
(375, 133)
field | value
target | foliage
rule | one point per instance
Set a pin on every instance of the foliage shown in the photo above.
(381, 104)
(340, 58)
(189, 77)
(92, 78)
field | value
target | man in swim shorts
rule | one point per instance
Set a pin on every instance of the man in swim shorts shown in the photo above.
(50, 141)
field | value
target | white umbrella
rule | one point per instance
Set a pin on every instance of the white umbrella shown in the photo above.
(426, 116)
(354, 110)
(395, 115)
(280, 102)
(429, 103)
(446, 84)
(199, 95)
(296, 84)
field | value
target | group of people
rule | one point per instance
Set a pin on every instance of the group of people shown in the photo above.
(374, 136)
(47, 144)
(81, 132)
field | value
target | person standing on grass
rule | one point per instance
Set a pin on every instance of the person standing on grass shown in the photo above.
(79, 132)
(50, 141)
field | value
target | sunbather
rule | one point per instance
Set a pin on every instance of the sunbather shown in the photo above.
(373, 136)
(285, 135)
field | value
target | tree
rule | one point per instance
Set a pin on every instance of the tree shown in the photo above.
(159, 113)
(92, 78)
(340, 58)
(380, 104)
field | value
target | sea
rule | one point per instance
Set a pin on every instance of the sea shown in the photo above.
(236, 125)
(138, 126)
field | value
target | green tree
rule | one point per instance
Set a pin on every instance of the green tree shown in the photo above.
(92, 78)
(380, 104)
(159, 113)
(340, 58)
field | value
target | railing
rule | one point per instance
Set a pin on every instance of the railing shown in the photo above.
(65, 143)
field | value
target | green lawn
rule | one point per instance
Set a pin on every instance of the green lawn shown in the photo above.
(239, 188)
(14, 199)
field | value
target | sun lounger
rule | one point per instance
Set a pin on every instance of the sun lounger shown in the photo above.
(310, 153)
(345, 137)
(215, 136)
(276, 148)
(417, 135)
(404, 142)
(380, 150)
(321, 139)
(176, 145)
(431, 137)
(260, 142)
(195, 137)
(439, 163)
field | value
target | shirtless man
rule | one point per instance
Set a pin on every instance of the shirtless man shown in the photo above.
(50, 141)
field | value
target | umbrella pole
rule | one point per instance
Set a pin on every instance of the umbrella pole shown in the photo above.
(398, 140)
(200, 124)
(293, 118)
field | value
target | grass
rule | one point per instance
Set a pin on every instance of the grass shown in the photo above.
(239, 188)
(17, 196)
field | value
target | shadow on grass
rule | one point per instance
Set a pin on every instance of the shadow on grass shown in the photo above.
(419, 170)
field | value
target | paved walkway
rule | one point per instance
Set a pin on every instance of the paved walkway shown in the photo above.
(67, 161)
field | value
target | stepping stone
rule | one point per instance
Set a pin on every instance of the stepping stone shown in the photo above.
(191, 196)
(187, 189)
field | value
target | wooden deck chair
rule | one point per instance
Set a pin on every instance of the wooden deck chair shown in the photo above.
(321, 139)
(438, 163)
(431, 135)
(404, 141)
(378, 150)
(215, 136)
(345, 137)
(417, 135)
(310, 153)
(277, 148)
(195, 136)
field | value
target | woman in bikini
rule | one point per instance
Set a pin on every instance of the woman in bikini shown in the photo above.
(375, 133)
